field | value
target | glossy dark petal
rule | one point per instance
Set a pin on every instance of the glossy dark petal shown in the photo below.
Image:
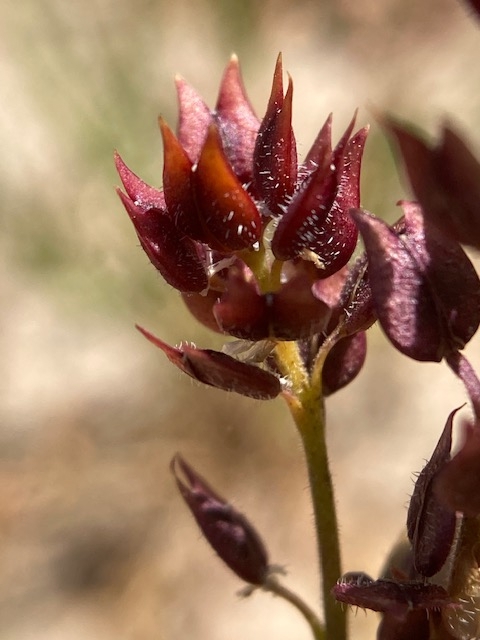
(227, 531)
(445, 179)
(140, 193)
(457, 485)
(320, 153)
(295, 312)
(237, 123)
(201, 307)
(430, 524)
(344, 362)
(226, 210)
(177, 185)
(242, 310)
(390, 596)
(425, 290)
(329, 290)
(170, 252)
(219, 370)
(454, 283)
(291, 313)
(275, 155)
(193, 120)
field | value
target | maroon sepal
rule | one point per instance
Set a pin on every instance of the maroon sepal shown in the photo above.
(193, 119)
(344, 362)
(430, 524)
(389, 596)
(140, 193)
(445, 179)
(275, 155)
(171, 253)
(178, 187)
(237, 123)
(425, 290)
(226, 210)
(219, 370)
(201, 307)
(291, 313)
(227, 531)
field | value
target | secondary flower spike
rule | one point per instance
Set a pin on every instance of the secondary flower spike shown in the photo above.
(240, 220)
(229, 533)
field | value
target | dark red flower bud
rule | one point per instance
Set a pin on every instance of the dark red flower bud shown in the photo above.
(425, 290)
(430, 524)
(225, 174)
(226, 210)
(175, 256)
(317, 224)
(227, 531)
(275, 156)
(445, 179)
(344, 362)
(219, 370)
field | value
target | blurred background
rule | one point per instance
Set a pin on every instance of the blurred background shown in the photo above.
(95, 543)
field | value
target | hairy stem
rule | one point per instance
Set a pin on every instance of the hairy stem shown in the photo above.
(307, 408)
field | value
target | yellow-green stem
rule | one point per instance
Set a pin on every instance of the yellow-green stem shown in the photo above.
(306, 404)
(309, 415)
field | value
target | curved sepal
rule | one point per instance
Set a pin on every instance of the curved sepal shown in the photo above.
(194, 118)
(430, 524)
(171, 253)
(425, 290)
(177, 185)
(226, 210)
(275, 156)
(389, 596)
(237, 122)
(219, 370)
(445, 179)
(140, 193)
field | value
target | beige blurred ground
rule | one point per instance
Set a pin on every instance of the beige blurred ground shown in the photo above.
(94, 541)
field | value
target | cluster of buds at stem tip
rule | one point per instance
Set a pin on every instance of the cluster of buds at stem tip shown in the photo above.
(255, 241)
(259, 244)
